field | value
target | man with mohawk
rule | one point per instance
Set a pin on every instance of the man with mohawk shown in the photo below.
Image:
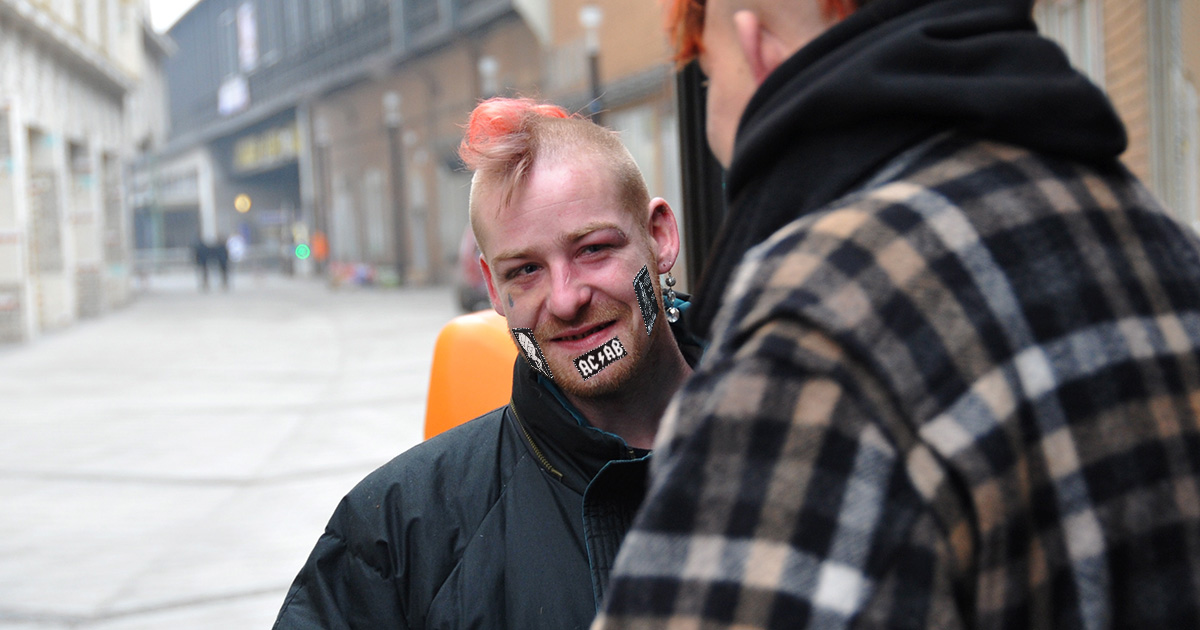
(513, 519)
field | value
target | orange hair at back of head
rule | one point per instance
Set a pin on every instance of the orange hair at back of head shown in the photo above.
(683, 21)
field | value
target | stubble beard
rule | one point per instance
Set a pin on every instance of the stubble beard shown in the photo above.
(618, 375)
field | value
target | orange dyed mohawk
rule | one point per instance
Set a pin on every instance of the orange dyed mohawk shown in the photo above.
(498, 131)
(504, 137)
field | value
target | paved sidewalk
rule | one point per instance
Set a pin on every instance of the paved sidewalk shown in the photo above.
(170, 464)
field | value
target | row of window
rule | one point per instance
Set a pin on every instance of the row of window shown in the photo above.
(258, 33)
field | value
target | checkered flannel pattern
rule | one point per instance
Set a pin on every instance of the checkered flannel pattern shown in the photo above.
(962, 397)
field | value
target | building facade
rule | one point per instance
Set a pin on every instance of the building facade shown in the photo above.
(336, 121)
(389, 168)
(239, 160)
(340, 120)
(1146, 55)
(78, 103)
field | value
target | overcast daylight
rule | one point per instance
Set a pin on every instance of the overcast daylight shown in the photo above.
(608, 314)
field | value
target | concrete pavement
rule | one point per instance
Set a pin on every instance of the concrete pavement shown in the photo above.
(170, 464)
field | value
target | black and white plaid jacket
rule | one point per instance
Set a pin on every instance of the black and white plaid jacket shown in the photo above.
(963, 396)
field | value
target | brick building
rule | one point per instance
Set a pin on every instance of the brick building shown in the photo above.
(451, 56)
(341, 117)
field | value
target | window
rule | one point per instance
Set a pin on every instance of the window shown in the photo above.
(1174, 153)
(1076, 26)
(8, 213)
(227, 44)
(294, 31)
(420, 14)
(247, 37)
(320, 18)
(373, 202)
(273, 42)
(344, 243)
(351, 10)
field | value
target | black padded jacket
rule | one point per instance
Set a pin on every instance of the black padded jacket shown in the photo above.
(511, 520)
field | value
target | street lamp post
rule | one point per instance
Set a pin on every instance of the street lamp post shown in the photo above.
(488, 68)
(591, 17)
(321, 217)
(393, 120)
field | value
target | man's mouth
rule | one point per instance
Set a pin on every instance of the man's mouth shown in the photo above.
(584, 334)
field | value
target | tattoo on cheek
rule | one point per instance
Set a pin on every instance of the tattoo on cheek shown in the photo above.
(532, 351)
(646, 298)
(595, 360)
(510, 300)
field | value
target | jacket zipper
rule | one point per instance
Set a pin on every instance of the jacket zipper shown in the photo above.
(537, 452)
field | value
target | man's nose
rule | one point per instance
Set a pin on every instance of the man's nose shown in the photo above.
(567, 295)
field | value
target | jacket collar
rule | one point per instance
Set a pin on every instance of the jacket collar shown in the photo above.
(561, 434)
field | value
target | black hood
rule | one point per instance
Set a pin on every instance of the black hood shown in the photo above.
(890, 75)
(575, 450)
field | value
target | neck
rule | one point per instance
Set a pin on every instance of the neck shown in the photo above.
(634, 411)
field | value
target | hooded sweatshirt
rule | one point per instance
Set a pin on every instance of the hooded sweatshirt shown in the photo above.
(889, 76)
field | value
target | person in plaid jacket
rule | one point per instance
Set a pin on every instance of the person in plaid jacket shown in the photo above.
(955, 362)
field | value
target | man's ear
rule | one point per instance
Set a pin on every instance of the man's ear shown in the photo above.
(664, 230)
(763, 49)
(493, 295)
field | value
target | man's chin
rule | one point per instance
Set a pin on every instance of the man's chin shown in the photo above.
(603, 384)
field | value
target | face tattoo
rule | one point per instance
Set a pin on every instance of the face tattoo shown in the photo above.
(532, 351)
(593, 361)
(646, 298)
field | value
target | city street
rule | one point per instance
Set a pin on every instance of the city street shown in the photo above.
(171, 463)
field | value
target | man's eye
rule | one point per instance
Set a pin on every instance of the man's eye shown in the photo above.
(592, 249)
(523, 270)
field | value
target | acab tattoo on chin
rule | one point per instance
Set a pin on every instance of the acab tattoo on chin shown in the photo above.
(593, 361)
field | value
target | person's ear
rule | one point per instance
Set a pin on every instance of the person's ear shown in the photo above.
(762, 48)
(664, 230)
(493, 295)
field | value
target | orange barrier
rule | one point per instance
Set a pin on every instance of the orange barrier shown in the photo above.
(472, 370)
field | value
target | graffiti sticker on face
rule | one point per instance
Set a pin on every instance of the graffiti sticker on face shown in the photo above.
(646, 298)
(532, 351)
(594, 361)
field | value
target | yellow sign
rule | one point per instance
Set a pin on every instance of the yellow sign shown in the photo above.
(267, 149)
(241, 203)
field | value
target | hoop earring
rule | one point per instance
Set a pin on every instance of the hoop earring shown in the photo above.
(669, 299)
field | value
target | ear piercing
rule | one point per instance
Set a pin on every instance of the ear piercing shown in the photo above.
(669, 299)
